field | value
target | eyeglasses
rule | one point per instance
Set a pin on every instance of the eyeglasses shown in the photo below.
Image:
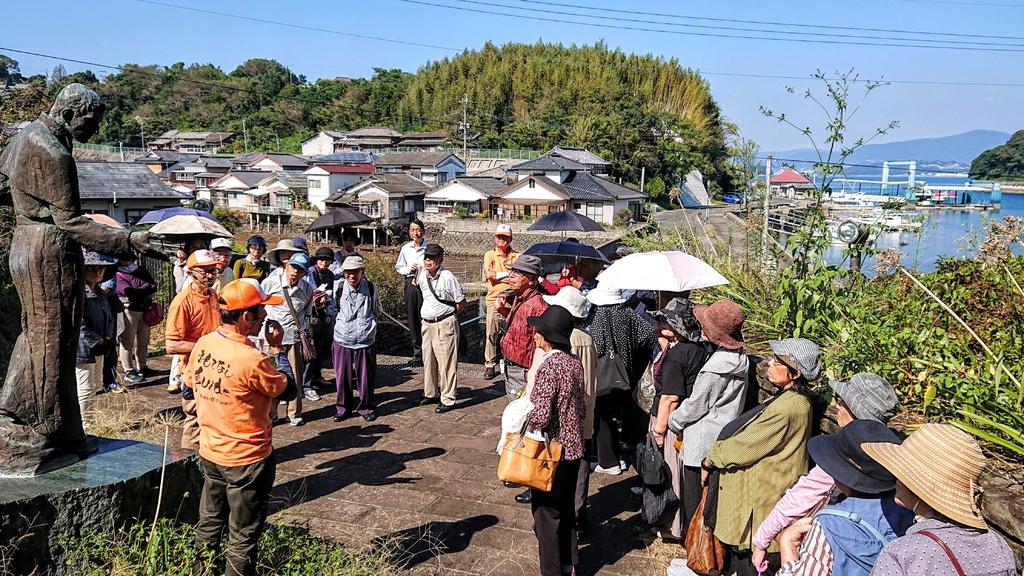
(206, 271)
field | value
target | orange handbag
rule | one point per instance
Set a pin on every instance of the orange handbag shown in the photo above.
(704, 553)
(529, 462)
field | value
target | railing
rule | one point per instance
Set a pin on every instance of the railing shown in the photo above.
(495, 153)
(108, 149)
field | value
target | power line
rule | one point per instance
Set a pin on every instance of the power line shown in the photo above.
(562, 12)
(707, 34)
(772, 23)
(568, 62)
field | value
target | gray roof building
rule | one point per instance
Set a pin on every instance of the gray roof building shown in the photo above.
(123, 181)
(581, 155)
(411, 159)
(548, 162)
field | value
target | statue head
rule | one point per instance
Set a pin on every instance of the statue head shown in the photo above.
(80, 110)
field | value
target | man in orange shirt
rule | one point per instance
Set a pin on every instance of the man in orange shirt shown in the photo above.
(193, 313)
(497, 265)
(235, 385)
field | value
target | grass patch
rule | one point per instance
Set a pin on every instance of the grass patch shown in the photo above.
(283, 551)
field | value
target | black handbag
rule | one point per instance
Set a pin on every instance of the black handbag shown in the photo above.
(658, 505)
(611, 369)
(650, 463)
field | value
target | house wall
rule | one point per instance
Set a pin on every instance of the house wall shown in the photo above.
(318, 145)
(266, 164)
(553, 175)
(127, 211)
(329, 184)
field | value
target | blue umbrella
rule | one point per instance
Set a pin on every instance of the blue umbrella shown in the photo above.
(565, 249)
(566, 222)
(159, 215)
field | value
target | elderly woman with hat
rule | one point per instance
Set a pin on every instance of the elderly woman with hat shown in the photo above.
(97, 332)
(559, 410)
(619, 332)
(937, 469)
(711, 383)
(861, 517)
(355, 334)
(764, 451)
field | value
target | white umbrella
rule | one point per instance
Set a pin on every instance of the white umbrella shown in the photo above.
(189, 225)
(662, 271)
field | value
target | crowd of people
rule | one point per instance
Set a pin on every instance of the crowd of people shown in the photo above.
(257, 333)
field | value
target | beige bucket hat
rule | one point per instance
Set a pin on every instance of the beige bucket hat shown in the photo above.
(940, 464)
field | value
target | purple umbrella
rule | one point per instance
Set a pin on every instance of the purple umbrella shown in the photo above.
(159, 215)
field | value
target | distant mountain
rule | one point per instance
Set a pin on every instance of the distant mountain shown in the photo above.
(959, 148)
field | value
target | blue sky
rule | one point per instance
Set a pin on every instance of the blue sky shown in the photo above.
(120, 31)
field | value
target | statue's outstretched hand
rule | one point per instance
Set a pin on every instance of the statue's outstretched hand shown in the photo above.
(140, 242)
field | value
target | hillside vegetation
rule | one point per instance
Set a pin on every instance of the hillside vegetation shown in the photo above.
(634, 110)
(1001, 162)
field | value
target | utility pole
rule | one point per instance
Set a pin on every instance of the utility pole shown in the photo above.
(643, 176)
(245, 137)
(767, 198)
(464, 126)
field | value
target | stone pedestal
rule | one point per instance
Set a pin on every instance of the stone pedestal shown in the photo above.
(117, 485)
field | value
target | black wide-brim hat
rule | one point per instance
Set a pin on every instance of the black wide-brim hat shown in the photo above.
(841, 456)
(555, 324)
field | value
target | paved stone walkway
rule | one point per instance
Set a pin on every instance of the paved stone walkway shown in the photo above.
(422, 485)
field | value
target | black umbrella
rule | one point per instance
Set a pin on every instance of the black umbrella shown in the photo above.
(566, 250)
(566, 222)
(339, 217)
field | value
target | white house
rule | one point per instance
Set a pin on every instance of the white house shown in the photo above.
(238, 189)
(284, 188)
(124, 190)
(389, 198)
(323, 180)
(473, 192)
(552, 165)
(597, 198)
(269, 162)
(432, 168)
(321, 143)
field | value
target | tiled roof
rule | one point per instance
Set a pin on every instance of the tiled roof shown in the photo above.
(283, 160)
(160, 156)
(413, 158)
(485, 185)
(400, 183)
(374, 131)
(549, 161)
(122, 180)
(289, 178)
(586, 186)
(581, 155)
(215, 161)
(248, 177)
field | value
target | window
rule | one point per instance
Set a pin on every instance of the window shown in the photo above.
(532, 184)
(595, 211)
(577, 206)
(410, 206)
(314, 183)
(442, 177)
(395, 208)
(133, 215)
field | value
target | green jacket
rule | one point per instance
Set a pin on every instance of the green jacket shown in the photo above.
(758, 464)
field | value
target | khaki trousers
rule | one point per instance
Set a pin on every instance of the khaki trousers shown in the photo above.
(294, 352)
(190, 428)
(90, 379)
(441, 359)
(492, 344)
(134, 342)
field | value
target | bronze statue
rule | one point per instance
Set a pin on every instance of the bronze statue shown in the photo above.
(40, 420)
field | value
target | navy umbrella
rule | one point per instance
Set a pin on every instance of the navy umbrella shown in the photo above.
(566, 249)
(566, 222)
(159, 215)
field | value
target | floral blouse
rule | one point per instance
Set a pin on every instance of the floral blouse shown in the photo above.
(559, 407)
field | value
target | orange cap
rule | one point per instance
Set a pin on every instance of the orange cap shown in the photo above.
(201, 259)
(246, 293)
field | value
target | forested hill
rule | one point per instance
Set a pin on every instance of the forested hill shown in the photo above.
(634, 110)
(1001, 162)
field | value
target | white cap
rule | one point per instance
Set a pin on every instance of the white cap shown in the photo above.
(221, 243)
(570, 298)
(503, 230)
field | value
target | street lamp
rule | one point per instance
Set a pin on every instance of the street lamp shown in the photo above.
(855, 236)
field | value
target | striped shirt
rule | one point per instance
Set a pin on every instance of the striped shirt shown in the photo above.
(815, 556)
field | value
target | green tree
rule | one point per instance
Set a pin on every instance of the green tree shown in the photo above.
(1004, 161)
(10, 73)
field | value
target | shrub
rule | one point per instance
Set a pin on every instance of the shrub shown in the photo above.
(623, 216)
(230, 219)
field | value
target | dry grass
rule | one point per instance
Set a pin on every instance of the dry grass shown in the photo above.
(122, 416)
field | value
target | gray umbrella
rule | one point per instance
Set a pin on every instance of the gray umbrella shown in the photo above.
(339, 217)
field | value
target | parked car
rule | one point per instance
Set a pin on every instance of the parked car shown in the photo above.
(732, 198)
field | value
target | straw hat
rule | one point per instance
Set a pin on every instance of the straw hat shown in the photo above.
(722, 323)
(940, 464)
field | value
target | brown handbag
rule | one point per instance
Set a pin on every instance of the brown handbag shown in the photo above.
(529, 462)
(704, 553)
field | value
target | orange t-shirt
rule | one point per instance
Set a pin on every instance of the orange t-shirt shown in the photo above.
(192, 315)
(234, 386)
(495, 262)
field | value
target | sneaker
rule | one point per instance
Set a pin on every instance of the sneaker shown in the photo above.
(296, 422)
(311, 395)
(133, 377)
(173, 388)
(115, 387)
(490, 373)
(611, 471)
